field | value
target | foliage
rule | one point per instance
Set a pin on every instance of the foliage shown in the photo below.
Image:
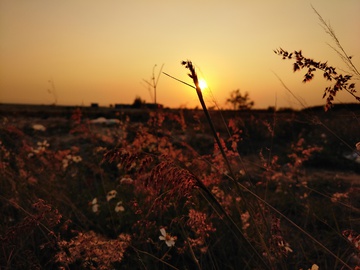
(159, 192)
(341, 82)
(96, 197)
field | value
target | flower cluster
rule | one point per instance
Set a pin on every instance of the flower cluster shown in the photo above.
(278, 246)
(93, 250)
(201, 227)
(41, 147)
(112, 194)
(69, 159)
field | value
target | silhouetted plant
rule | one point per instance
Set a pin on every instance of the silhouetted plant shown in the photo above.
(341, 82)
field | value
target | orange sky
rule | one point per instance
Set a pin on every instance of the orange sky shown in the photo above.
(100, 51)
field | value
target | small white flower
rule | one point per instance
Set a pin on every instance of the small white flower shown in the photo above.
(76, 159)
(169, 240)
(41, 147)
(44, 143)
(100, 149)
(126, 180)
(286, 246)
(36, 151)
(39, 127)
(119, 207)
(95, 206)
(314, 267)
(65, 163)
(111, 195)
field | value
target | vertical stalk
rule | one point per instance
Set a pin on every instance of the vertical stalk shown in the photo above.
(193, 75)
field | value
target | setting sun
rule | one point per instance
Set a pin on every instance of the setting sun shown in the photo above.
(103, 53)
(202, 84)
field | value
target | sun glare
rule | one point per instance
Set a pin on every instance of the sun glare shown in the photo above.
(202, 84)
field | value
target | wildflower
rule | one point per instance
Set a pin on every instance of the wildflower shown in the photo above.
(76, 159)
(169, 240)
(245, 217)
(218, 192)
(285, 246)
(95, 205)
(353, 237)
(65, 163)
(41, 147)
(126, 180)
(38, 127)
(314, 267)
(104, 252)
(100, 149)
(111, 195)
(339, 196)
(43, 144)
(119, 207)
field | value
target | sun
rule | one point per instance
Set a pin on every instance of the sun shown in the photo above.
(202, 84)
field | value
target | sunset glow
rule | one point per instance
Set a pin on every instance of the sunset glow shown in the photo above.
(202, 84)
(103, 51)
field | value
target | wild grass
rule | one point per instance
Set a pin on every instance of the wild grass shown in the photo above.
(140, 195)
(179, 190)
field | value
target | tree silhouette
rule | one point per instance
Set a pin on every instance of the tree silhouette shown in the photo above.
(239, 101)
(138, 102)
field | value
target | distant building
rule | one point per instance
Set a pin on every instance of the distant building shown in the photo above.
(94, 105)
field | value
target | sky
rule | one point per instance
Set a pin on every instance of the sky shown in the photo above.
(87, 51)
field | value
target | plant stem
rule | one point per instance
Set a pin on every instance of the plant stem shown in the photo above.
(193, 75)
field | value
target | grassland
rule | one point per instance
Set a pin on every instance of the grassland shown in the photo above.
(152, 191)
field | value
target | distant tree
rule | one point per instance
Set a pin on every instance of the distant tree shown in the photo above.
(239, 101)
(138, 102)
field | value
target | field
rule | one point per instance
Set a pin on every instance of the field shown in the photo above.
(105, 188)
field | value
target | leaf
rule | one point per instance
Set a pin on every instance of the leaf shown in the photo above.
(296, 67)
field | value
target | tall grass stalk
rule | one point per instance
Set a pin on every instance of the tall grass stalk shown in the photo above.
(340, 51)
(231, 175)
(193, 75)
(240, 187)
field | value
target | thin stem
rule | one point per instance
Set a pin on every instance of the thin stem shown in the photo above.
(238, 185)
(154, 257)
(193, 75)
